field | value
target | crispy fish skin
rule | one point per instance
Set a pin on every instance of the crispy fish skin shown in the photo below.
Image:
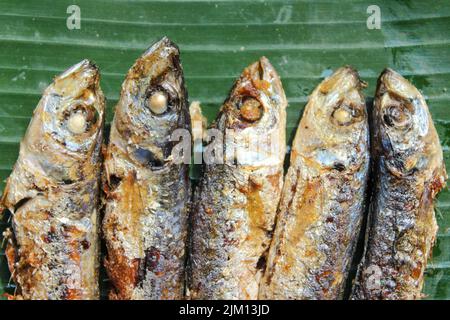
(53, 192)
(148, 193)
(409, 172)
(322, 204)
(235, 203)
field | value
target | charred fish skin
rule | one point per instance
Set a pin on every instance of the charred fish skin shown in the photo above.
(410, 171)
(53, 192)
(323, 199)
(148, 193)
(235, 203)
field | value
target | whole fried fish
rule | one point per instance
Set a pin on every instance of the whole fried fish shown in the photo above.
(53, 192)
(148, 192)
(409, 172)
(323, 198)
(235, 203)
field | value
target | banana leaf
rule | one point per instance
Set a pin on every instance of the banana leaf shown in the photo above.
(305, 40)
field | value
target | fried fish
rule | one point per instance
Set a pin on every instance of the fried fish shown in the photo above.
(323, 199)
(148, 192)
(53, 192)
(409, 172)
(235, 203)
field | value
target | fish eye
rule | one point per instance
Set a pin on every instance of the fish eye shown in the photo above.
(345, 114)
(397, 116)
(251, 109)
(157, 102)
(77, 123)
(80, 118)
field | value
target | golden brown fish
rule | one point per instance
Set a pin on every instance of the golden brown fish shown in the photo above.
(323, 198)
(235, 203)
(53, 192)
(409, 172)
(148, 192)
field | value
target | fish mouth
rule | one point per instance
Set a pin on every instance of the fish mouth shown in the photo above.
(158, 59)
(343, 79)
(387, 76)
(396, 85)
(387, 70)
(258, 70)
(82, 66)
(164, 42)
(265, 78)
(84, 69)
(350, 70)
(81, 81)
(354, 72)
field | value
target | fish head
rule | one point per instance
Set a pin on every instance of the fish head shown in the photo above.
(66, 130)
(254, 117)
(402, 124)
(153, 104)
(334, 128)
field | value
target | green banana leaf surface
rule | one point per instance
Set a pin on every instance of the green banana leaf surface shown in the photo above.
(305, 40)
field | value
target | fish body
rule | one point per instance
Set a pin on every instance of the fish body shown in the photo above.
(53, 192)
(148, 192)
(323, 199)
(409, 172)
(235, 202)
